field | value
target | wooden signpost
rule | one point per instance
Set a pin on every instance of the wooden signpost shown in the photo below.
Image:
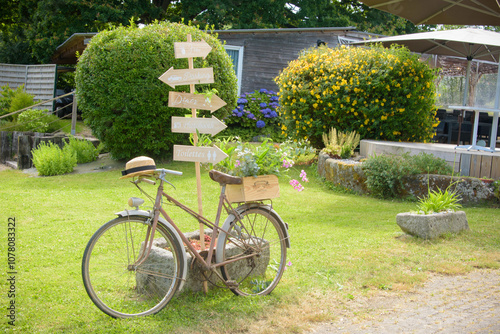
(211, 126)
(186, 77)
(191, 76)
(196, 101)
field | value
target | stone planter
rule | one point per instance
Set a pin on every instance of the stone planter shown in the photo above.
(163, 259)
(433, 225)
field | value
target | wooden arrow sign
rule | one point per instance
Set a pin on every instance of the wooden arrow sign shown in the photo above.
(198, 154)
(191, 49)
(187, 76)
(194, 101)
(211, 125)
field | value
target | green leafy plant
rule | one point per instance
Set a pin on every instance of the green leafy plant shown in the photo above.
(49, 159)
(439, 201)
(428, 163)
(496, 189)
(85, 151)
(386, 174)
(385, 94)
(33, 120)
(339, 144)
(121, 98)
(13, 100)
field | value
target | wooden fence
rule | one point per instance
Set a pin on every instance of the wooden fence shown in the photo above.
(38, 80)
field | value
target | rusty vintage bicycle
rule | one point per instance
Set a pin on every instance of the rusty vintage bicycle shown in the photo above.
(134, 264)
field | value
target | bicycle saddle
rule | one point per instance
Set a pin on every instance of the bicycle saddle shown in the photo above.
(224, 178)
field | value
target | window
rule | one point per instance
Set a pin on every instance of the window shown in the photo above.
(236, 54)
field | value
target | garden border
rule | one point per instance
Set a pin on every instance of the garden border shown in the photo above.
(349, 175)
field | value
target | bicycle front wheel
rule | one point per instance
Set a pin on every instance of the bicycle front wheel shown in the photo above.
(118, 287)
(256, 243)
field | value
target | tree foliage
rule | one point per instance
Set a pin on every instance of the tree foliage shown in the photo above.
(32, 30)
(121, 97)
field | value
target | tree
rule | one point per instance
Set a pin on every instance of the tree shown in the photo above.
(121, 97)
(32, 30)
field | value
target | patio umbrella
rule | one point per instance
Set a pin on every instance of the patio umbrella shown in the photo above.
(467, 43)
(462, 12)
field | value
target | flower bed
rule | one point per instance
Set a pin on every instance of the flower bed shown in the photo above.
(349, 175)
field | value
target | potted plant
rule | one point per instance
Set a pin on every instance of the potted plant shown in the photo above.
(259, 165)
(437, 215)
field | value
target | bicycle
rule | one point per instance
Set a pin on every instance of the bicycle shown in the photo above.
(127, 271)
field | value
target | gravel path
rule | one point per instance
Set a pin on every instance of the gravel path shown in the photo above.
(445, 304)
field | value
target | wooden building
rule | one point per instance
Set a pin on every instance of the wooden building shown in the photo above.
(258, 54)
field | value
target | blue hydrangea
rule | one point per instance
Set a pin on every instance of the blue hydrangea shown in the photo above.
(242, 101)
(274, 99)
(263, 90)
(274, 105)
(251, 116)
(273, 114)
(260, 124)
(263, 105)
(239, 114)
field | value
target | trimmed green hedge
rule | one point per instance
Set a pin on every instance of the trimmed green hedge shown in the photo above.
(384, 94)
(123, 101)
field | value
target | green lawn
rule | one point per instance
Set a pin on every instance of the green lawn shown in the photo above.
(344, 247)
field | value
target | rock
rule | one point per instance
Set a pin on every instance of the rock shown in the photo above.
(433, 225)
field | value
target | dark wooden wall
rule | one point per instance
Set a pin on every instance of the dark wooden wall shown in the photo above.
(266, 53)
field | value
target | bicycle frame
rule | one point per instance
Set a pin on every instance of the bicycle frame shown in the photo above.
(158, 209)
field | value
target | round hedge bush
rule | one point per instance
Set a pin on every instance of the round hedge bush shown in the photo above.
(384, 94)
(123, 101)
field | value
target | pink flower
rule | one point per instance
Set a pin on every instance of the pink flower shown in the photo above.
(287, 164)
(303, 175)
(296, 185)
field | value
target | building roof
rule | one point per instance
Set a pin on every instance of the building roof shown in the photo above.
(66, 52)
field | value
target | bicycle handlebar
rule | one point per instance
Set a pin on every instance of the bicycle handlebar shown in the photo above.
(168, 171)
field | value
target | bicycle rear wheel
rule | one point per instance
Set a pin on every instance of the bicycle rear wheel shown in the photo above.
(260, 239)
(119, 289)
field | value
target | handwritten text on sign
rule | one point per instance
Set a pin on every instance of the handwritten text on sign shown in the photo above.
(188, 76)
(191, 49)
(195, 101)
(211, 125)
(198, 154)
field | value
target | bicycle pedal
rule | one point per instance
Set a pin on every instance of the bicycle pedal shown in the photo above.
(232, 284)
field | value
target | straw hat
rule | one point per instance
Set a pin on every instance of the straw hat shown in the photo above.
(139, 166)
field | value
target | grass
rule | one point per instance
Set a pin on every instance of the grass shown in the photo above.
(344, 247)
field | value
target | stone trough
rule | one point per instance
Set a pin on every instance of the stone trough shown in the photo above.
(434, 225)
(162, 260)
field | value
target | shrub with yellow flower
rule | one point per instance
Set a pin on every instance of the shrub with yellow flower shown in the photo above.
(373, 91)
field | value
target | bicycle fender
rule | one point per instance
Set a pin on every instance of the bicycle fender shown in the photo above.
(242, 208)
(162, 220)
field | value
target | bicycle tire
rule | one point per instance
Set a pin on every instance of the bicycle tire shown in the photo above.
(258, 231)
(121, 292)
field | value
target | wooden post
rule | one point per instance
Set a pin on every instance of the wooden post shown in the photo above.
(73, 116)
(24, 156)
(5, 146)
(197, 168)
